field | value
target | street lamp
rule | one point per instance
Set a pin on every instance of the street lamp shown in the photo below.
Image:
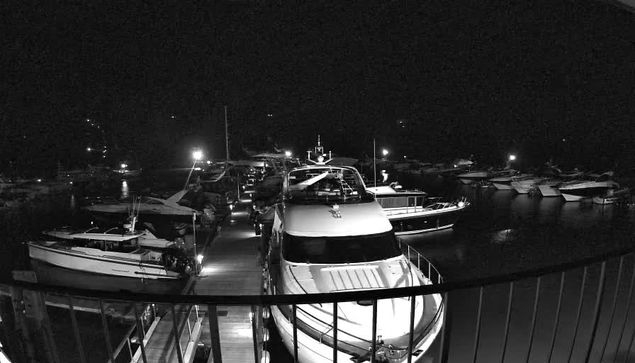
(197, 155)
(384, 152)
(512, 157)
(288, 153)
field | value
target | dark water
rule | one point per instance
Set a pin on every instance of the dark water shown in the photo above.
(501, 232)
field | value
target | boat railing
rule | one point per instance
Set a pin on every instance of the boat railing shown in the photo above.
(423, 264)
(572, 311)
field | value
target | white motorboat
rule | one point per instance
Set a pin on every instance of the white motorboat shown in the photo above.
(504, 182)
(114, 252)
(549, 187)
(114, 234)
(473, 176)
(577, 190)
(331, 236)
(412, 211)
(525, 184)
(612, 196)
(148, 207)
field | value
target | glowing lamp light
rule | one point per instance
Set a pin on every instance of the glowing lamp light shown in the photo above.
(199, 258)
(88, 149)
(197, 154)
(384, 152)
(266, 357)
(288, 153)
(461, 204)
(39, 180)
(123, 165)
(512, 157)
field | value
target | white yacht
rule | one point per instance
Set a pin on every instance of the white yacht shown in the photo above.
(413, 211)
(577, 190)
(473, 176)
(147, 207)
(331, 236)
(525, 184)
(115, 252)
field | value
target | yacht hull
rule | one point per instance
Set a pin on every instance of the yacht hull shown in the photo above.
(548, 191)
(75, 260)
(312, 350)
(502, 186)
(427, 221)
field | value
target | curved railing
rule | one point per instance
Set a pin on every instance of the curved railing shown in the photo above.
(550, 313)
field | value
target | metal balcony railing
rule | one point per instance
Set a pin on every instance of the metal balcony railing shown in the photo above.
(578, 311)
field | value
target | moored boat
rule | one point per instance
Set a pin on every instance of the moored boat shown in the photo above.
(126, 253)
(577, 190)
(330, 236)
(413, 211)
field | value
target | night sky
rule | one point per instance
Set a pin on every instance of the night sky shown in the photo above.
(432, 80)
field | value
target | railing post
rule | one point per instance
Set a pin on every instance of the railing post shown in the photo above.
(104, 324)
(597, 309)
(533, 319)
(374, 332)
(628, 304)
(212, 316)
(477, 334)
(617, 289)
(445, 330)
(508, 318)
(557, 317)
(335, 312)
(78, 340)
(140, 333)
(413, 300)
(577, 320)
(177, 338)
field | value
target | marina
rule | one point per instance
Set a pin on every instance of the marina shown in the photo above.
(469, 198)
(233, 258)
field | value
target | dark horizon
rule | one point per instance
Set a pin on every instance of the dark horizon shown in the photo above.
(433, 81)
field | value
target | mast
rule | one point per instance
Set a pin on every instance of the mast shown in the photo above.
(226, 136)
(374, 163)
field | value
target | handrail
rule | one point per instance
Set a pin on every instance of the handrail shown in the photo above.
(241, 300)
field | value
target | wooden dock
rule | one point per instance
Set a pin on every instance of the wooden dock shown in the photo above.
(230, 267)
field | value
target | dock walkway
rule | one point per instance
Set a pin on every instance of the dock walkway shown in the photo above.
(230, 267)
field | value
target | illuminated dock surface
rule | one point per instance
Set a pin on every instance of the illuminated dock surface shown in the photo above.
(230, 267)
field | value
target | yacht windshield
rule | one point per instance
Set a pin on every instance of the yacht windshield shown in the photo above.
(325, 184)
(349, 249)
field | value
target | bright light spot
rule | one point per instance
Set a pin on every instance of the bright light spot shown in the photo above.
(231, 207)
(512, 157)
(461, 204)
(199, 258)
(320, 159)
(288, 153)
(197, 168)
(455, 166)
(88, 149)
(244, 333)
(269, 115)
(565, 140)
(384, 152)
(123, 166)
(404, 157)
(39, 180)
(384, 175)
(209, 162)
(197, 154)
(173, 116)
